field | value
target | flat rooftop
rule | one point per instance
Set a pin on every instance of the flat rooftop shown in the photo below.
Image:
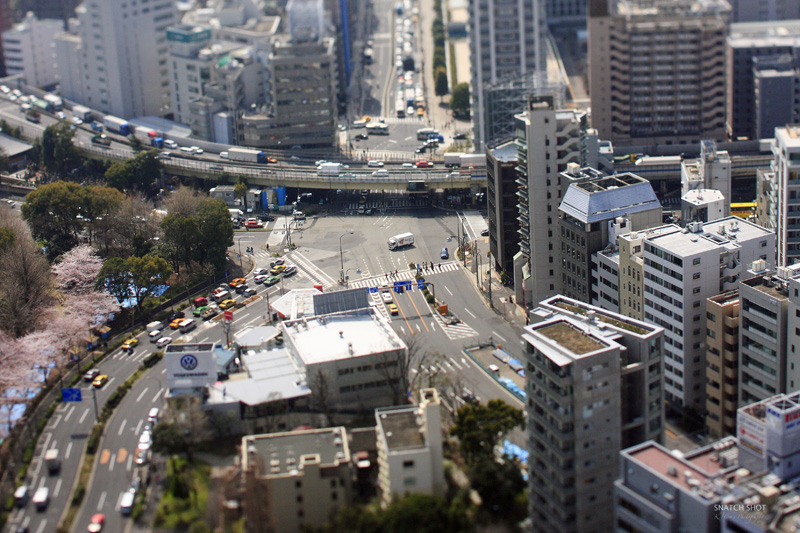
(283, 452)
(758, 283)
(723, 233)
(616, 320)
(570, 337)
(346, 335)
(726, 297)
(399, 427)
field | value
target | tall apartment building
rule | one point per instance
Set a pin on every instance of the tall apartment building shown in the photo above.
(119, 57)
(506, 41)
(682, 269)
(746, 43)
(775, 83)
(594, 387)
(657, 69)
(764, 10)
(560, 11)
(28, 50)
(501, 194)
(189, 68)
(410, 454)
(786, 193)
(6, 22)
(706, 185)
(296, 479)
(722, 363)
(594, 210)
(547, 140)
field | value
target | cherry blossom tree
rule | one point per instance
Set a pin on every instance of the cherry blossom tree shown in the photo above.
(77, 271)
(21, 360)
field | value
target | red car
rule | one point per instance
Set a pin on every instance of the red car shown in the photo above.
(96, 523)
(252, 224)
(424, 164)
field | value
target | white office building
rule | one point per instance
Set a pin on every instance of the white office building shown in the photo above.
(682, 268)
(119, 57)
(786, 191)
(28, 48)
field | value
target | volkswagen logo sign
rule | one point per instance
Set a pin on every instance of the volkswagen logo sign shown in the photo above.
(189, 362)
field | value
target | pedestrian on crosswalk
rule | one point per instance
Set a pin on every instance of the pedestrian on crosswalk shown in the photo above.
(395, 274)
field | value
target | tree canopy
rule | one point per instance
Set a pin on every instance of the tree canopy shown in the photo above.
(142, 173)
(459, 100)
(135, 277)
(480, 427)
(55, 149)
(440, 81)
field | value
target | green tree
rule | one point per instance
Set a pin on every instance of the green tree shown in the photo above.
(147, 273)
(216, 230)
(141, 173)
(57, 152)
(459, 100)
(54, 213)
(480, 427)
(441, 81)
(168, 439)
(180, 241)
(136, 144)
(120, 175)
(438, 59)
(115, 277)
(240, 190)
(7, 238)
(499, 485)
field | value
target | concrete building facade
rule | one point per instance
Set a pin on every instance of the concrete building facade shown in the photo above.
(594, 386)
(501, 195)
(786, 193)
(657, 69)
(122, 58)
(722, 363)
(28, 49)
(410, 455)
(547, 141)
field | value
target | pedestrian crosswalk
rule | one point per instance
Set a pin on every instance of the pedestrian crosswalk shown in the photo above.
(461, 330)
(395, 203)
(403, 275)
(406, 120)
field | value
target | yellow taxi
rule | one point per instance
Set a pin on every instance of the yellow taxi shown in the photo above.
(175, 324)
(277, 269)
(227, 304)
(392, 309)
(99, 381)
(366, 118)
(130, 344)
(236, 282)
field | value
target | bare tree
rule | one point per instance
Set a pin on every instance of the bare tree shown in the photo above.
(182, 202)
(320, 387)
(401, 368)
(131, 229)
(25, 287)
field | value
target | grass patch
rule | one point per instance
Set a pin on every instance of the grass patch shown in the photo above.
(184, 501)
(453, 72)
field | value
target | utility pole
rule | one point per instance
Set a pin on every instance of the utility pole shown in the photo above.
(489, 275)
(94, 397)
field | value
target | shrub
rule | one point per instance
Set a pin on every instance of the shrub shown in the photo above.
(429, 298)
(151, 360)
(27, 455)
(94, 439)
(77, 496)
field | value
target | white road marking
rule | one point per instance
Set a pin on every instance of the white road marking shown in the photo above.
(54, 445)
(457, 365)
(499, 336)
(111, 462)
(57, 489)
(142, 394)
(408, 138)
(130, 463)
(27, 520)
(419, 330)
(110, 381)
(42, 526)
(138, 427)
(470, 313)
(83, 416)
(155, 398)
(432, 326)
(403, 330)
(448, 290)
(69, 414)
(122, 426)
(68, 450)
(101, 501)
(163, 370)
(41, 482)
(204, 339)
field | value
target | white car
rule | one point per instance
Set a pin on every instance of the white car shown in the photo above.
(408, 165)
(260, 271)
(197, 150)
(5, 89)
(387, 297)
(375, 163)
(223, 155)
(169, 143)
(163, 342)
(61, 115)
(76, 121)
(261, 278)
(145, 438)
(381, 172)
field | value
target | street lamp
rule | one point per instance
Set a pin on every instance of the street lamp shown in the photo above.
(341, 256)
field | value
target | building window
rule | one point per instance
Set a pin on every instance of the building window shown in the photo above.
(696, 261)
(408, 464)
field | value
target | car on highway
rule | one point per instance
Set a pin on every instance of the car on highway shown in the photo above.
(272, 160)
(163, 342)
(164, 155)
(375, 163)
(175, 324)
(90, 375)
(99, 381)
(485, 232)
(61, 115)
(408, 165)
(459, 136)
(261, 278)
(241, 288)
(96, 523)
(196, 149)
(209, 313)
(130, 344)
(169, 143)
(76, 121)
(289, 270)
(224, 155)
(247, 293)
(236, 282)
(361, 137)
(227, 304)
(177, 314)
(424, 164)
(445, 254)
(272, 280)
(141, 457)
(260, 271)
(146, 437)
(380, 172)
(199, 310)
(252, 223)
(387, 297)
(421, 149)
(277, 262)
(277, 269)
(266, 218)
(392, 309)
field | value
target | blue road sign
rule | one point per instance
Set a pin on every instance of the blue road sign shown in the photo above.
(71, 395)
(373, 289)
(421, 284)
(407, 285)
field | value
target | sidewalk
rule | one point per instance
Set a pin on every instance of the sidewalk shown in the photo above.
(502, 297)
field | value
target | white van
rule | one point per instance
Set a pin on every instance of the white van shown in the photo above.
(152, 326)
(381, 172)
(152, 416)
(185, 150)
(21, 495)
(188, 325)
(41, 498)
(126, 502)
(154, 335)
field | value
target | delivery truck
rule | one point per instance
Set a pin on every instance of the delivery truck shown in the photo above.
(401, 240)
(473, 160)
(52, 461)
(144, 134)
(81, 112)
(246, 154)
(329, 169)
(452, 159)
(117, 125)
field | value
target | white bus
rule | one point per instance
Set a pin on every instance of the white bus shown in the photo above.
(376, 128)
(424, 133)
